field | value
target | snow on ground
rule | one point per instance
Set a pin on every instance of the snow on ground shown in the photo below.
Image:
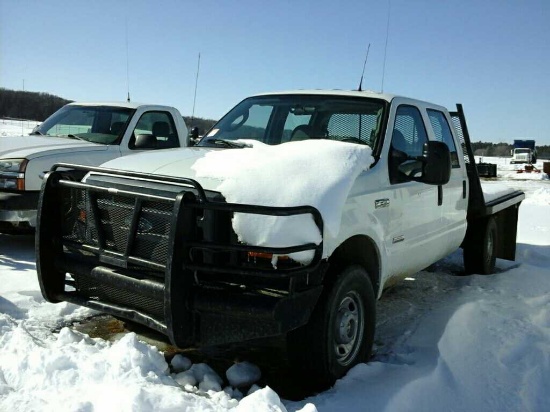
(10, 127)
(443, 342)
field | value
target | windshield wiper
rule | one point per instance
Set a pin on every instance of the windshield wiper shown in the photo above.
(227, 143)
(36, 133)
(74, 136)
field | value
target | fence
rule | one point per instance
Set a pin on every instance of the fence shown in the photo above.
(15, 127)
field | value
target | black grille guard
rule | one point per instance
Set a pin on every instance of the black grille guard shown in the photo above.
(181, 240)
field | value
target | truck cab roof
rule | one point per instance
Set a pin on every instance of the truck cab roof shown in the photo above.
(128, 105)
(388, 97)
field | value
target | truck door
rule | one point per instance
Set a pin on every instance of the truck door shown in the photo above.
(415, 215)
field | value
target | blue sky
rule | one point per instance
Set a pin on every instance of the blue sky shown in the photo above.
(491, 56)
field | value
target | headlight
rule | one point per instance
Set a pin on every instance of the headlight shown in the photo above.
(12, 173)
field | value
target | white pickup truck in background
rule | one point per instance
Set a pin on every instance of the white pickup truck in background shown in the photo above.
(159, 238)
(84, 133)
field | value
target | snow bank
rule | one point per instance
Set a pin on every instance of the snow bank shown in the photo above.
(317, 173)
(72, 372)
(541, 197)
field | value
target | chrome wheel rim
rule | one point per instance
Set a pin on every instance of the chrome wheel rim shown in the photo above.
(349, 328)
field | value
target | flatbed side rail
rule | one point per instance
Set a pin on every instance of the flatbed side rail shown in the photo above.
(504, 202)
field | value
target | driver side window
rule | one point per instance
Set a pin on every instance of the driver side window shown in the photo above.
(408, 138)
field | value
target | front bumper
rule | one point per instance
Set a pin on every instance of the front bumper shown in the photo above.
(18, 209)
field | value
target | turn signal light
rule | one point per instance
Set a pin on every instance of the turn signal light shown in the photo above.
(264, 255)
(20, 183)
(82, 216)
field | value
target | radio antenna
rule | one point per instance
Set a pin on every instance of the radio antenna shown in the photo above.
(127, 62)
(363, 72)
(386, 46)
(196, 83)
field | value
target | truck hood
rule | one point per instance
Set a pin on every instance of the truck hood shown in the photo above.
(170, 162)
(35, 146)
(279, 176)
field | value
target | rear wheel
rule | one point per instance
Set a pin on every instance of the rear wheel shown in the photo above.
(340, 332)
(480, 248)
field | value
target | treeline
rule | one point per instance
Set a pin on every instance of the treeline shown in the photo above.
(504, 150)
(20, 104)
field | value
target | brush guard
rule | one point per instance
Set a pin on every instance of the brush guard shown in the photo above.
(165, 255)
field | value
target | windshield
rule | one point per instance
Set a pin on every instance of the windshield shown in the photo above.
(522, 151)
(279, 119)
(97, 124)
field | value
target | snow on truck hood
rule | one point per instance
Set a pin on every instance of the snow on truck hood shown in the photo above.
(168, 162)
(317, 173)
(31, 146)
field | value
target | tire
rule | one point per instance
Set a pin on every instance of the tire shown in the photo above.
(481, 247)
(340, 332)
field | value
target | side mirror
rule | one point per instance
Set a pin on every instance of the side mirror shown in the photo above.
(194, 136)
(145, 141)
(437, 163)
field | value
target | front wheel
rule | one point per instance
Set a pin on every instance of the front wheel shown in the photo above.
(340, 332)
(481, 247)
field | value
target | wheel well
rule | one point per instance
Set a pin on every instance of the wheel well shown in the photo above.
(360, 250)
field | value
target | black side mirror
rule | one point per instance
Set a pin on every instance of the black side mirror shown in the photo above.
(194, 136)
(437, 168)
(145, 141)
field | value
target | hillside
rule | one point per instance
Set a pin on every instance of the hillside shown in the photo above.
(19, 104)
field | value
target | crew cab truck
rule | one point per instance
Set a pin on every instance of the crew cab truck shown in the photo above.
(84, 133)
(146, 239)
(524, 151)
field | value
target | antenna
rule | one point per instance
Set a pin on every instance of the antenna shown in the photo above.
(363, 72)
(196, 83)
(127, 61)
(386, 46)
